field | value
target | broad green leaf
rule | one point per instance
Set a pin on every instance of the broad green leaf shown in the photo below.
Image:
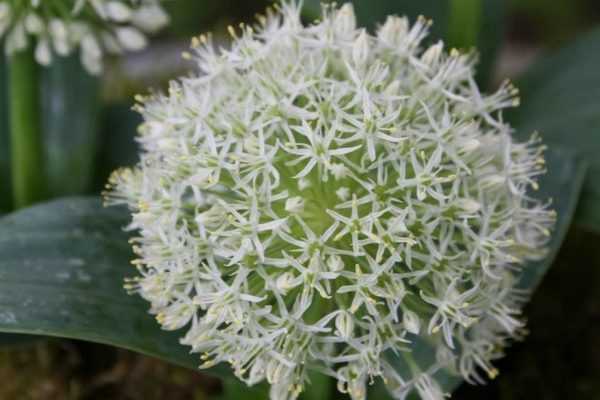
(70, 103)
(562, 184)
(561, 100)
(61, 274)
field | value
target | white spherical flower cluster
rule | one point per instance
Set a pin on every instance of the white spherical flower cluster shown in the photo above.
(58, 27)
(319, 198)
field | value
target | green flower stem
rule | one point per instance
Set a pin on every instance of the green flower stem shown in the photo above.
(465, 23)
(25, 129)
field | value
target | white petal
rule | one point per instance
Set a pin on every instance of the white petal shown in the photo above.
(118, 12)
(131, 38)
(43, 53)
(150, 18)
(33, 23)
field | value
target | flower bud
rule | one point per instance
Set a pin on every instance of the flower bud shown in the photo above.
(360, 49)
(345, 21)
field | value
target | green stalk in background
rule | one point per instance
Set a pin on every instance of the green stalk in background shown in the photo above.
(25, 129)
(464, 24)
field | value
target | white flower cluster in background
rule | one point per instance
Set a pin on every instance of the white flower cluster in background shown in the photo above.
(59, 27)
(322, 198)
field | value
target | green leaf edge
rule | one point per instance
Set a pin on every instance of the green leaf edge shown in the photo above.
(181, 356)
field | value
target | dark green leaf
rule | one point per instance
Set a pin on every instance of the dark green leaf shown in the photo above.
(61, 274)
(561, 100)
(70, 106)
(562, 184)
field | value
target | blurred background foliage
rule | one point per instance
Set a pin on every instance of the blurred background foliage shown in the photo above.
(551, 49)
(552, 23)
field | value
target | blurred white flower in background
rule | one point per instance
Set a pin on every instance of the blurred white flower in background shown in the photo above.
(318, 198)
(60, 27)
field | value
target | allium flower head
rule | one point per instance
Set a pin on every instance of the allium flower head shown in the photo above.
(58, 27)
(320, 198)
